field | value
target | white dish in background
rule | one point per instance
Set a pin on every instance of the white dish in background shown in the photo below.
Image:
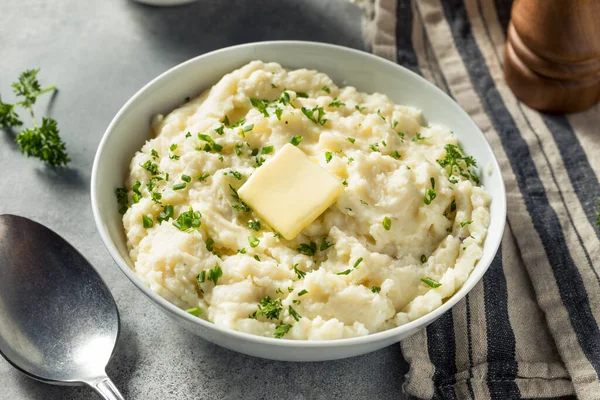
(130, 129)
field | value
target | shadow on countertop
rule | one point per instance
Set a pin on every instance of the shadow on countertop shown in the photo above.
(207, 25)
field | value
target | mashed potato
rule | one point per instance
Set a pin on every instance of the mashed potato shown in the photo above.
(403, 237)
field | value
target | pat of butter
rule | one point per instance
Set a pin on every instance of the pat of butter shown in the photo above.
(290, 191)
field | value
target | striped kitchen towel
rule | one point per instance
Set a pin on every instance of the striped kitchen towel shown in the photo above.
(530, 329)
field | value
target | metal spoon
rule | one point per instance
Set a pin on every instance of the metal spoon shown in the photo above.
(58, 321)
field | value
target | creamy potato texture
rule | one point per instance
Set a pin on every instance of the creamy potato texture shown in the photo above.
(401, 239)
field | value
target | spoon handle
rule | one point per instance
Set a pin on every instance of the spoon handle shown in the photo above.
(106, 388)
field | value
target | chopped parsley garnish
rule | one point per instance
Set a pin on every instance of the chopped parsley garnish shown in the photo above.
(248, 128)
(395, 155)
(173, 147)
(318, 118)
(278, 112)
(328, 156)
(453, 205)
(253, 240)
(256, 257)
(345, 182)
(375, 289)
(351, 139)
(294, 314)
(259, 161)
(241, 251)
(284, 98)
(430, 194)
(151, 167)
(384, 143)
(302, 94)
(209, 244)
(188, 135)
(220, 129)
(308, 249)
(357, 263)
(325, 245)
(374, 147)
(154, 153)
(194, 311)
(431, 282)
(254, 152)
(188, 220)
(166, 213)
(236, 175)
(217, 147)
(122, 199)
(136, 192)
(174, 157)
(299, 274)
(350, 159)
(418, 137)
(336, 103)
(346, 272)
(179, 186)
(359, 108)
(186, 178)
(267, 150)
(296, 139)
(423, 258)
(201, 278)
(203, 177)
(260, 105)
(326, 89)
(147, 221)
(387, 223)
(465, 223)
(302, 292)
(379, 113)
(401, 134)
(270, 308)
(455, 163)
(364, 202)
(281, 330)
(254, 225)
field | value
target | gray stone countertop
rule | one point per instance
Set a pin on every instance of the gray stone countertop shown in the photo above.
(99, 53)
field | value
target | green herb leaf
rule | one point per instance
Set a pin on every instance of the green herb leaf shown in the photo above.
(214, 274)
(147, 221)
(151, 167)
(188, 220)
(375, 289)
(253, 240)
(418, 137)
(281, 330)
(238, 148)
(423, 258)
(254, 225)
(464, 223)
(268, 149)
(318, 118)
(374, 147)
(456, 164)
(278, 112)
(336, 103)
(364, 202)
(201, 278)
(430, 194)
(203, 177)
(220, 129)
(236, 175)
(206, 138)
(209, 244)
(346, 272)
(453, 205)
(387, 223)
(260, 105)
(8, 116)
(326, 89)
(299, 274)
(179, 186)
(302, 94)
(395, 155)
(302, 292)
(345, 182)
(270, 308)
(325, 245)
(351, 139)
(186, 178)
(328, 156)
(357, 263)
(308, 249)
(294, 314)
(166, 213)
(122, 200)
(194, 311)
(248, 128)
(431, 282)
(296, 139)
(43, 142)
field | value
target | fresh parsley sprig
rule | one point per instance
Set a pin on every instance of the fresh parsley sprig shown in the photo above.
(456, 164)
(41, 141)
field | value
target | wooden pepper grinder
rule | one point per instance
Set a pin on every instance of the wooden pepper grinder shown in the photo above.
(552, 54)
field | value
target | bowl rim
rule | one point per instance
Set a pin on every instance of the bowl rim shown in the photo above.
(474, 277)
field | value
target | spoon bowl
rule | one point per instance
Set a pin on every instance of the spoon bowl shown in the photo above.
(58, 321)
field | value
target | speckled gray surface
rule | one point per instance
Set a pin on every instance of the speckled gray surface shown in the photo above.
(99, 53)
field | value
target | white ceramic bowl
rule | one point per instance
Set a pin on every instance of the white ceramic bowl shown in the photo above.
(130, 129)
